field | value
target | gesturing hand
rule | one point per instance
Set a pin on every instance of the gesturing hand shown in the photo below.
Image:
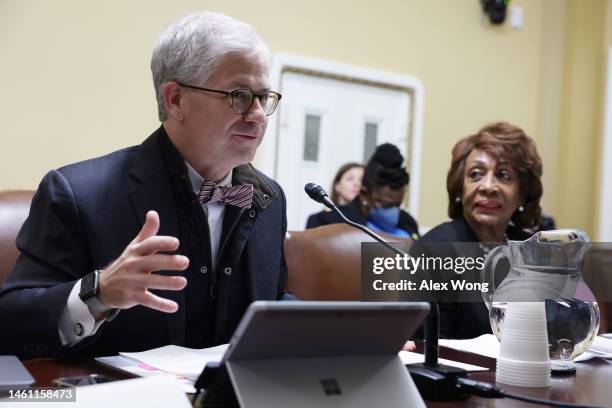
(126, 282)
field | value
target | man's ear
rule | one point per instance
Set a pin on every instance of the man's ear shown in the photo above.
(173, 100)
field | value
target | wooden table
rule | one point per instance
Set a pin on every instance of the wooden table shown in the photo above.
(591, 385)
(45, 370)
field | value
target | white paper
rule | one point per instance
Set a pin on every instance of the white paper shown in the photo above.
(488, 345)
(179, 360)
(586, 356)
(601, 348)
(408, 357)
(156, 392)
(142, 370)
(602, 345)
(485, 345)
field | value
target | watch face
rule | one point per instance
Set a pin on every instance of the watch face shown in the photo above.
(88, 286)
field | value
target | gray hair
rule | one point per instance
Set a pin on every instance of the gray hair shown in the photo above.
(190, 50)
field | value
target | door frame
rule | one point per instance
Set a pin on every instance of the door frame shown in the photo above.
(605, 202)
(285, 62)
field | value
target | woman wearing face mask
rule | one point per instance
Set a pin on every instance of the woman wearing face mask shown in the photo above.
(494, 192)
(382, 191)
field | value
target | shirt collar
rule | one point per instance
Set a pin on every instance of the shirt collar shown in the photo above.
(197, 180)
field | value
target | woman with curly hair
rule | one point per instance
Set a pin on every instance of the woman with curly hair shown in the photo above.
(494, 192)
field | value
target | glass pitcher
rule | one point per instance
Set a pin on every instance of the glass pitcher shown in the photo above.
(545, 268)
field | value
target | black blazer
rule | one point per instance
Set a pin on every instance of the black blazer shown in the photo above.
(462, 320)
(84, 215)
(353, 212)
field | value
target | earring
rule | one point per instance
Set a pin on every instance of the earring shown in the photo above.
(521, 208)
(457, 200)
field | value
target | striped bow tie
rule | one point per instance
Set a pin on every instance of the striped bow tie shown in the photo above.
(239, 196)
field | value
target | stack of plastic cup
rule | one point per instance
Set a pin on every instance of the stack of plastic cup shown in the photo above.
(523, 354)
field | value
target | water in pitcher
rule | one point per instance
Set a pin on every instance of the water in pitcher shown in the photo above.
(572, 325)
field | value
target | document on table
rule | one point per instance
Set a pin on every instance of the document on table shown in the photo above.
(179, 360)
(180, 363)
(488, 345)
(142, 370)
(600, 348)
(408, 357)
(155, 392)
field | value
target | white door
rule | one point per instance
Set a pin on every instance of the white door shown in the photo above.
(325, 123)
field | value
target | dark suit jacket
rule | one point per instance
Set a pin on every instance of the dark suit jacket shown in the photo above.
(84, 215)
(354, 213)
(462, 320)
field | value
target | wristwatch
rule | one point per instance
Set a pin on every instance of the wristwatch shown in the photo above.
(89, 287)
(89, 292)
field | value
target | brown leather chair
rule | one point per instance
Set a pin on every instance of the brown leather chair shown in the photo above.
(325, 263)
(14, 208)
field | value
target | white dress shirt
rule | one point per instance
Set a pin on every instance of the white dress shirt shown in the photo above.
(214, 211)
(77, 322)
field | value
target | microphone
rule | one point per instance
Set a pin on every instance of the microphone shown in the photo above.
(318, 194)
(434, 381)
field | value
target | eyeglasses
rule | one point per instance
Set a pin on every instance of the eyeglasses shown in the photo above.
(241, 100)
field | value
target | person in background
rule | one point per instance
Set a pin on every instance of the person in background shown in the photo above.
(494, 189)
(345, 187)
(347, 183)
(377, 206)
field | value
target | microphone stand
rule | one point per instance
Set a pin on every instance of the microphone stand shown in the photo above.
(435, 381)
(368, 231)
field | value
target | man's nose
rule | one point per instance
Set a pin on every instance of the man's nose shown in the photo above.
(256, 113)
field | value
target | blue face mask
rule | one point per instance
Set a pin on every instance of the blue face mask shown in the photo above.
(385, 218)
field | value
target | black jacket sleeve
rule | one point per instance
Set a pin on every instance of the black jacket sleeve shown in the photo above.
(53, 257)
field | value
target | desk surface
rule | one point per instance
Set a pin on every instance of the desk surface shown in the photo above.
(591, 385)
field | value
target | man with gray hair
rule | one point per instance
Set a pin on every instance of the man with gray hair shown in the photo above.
(166, 242)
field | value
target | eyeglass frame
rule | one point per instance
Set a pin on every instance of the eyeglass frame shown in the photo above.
(230, 94)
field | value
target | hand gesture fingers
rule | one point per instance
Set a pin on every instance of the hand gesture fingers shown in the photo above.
(161, 282)
(149, 228)
(125, 282)
(156, 262)
(155, 302)
(154, 244)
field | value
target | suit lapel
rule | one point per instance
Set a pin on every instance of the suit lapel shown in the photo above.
(149, 188)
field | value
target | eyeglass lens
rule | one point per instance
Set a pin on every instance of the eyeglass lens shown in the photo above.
(242, 98)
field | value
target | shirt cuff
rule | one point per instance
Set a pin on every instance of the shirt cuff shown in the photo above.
(76, 321)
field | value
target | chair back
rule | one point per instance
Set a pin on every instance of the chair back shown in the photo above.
(14, 209)
(325, 263)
